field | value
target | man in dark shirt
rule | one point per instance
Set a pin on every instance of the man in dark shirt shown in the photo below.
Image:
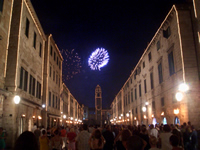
(109, 138)
(37, 133)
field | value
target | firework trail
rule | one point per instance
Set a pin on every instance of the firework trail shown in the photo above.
(98, 59)
(71, 64)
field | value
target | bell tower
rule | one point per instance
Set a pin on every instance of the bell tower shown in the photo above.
(98, 105)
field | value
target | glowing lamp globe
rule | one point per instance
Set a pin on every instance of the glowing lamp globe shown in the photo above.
(183, 87)
(127, 114)
(16, 99)
(179, 96)
(144, 109)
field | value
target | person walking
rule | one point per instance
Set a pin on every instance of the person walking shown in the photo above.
(44, 141)
(82, 139)
(96, 140)
(56, 141)
(153, 131)
(71, 138)
(164, 138)
(109, 138)
(153, 143)
(63, 133)
(144, 135)
(37, 133)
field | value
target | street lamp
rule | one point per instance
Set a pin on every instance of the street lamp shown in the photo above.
(43, 105)
(183, 87)
(144, 109)
(176, 111)
(17, 99)
(127, 114)
(179, 96)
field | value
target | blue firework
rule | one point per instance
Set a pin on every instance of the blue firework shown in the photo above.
(98, 59)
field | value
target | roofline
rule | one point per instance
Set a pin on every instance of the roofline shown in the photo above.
(155, 35)
(35, 18)
(51, 38)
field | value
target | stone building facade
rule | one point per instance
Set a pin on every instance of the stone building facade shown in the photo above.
(72, 113)
(171, 58)
(86, 113)
(5, 20)
(31, 68)
(52, 83)
(98, 105)
(24, 72)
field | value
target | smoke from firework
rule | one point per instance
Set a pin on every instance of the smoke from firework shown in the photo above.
(71, 64)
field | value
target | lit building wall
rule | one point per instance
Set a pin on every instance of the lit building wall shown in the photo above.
(98, 105)
(106, 116)
(169, 60)
(86, 113)
(196, 6)
(5, 20)
(66, 101)
(52, 83)
(72, 110)
(24, 73)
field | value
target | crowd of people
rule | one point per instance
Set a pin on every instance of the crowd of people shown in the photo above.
(115, 137)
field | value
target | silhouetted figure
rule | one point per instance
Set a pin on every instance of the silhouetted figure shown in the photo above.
(174, 141)
(109, 137)
(134, 143)
(26, 141)
(144, 135)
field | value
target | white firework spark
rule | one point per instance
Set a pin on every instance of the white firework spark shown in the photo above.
(98, 59)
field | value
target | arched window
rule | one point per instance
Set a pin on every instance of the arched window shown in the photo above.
(164, 120)
(154, 121)
(176, 120)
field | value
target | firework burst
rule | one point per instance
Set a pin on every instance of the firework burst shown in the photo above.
(71, 64)
(98, 59)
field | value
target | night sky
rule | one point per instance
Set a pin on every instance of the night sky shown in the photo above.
(122, 27)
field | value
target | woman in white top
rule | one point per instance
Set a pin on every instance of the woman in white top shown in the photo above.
(164, 138)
